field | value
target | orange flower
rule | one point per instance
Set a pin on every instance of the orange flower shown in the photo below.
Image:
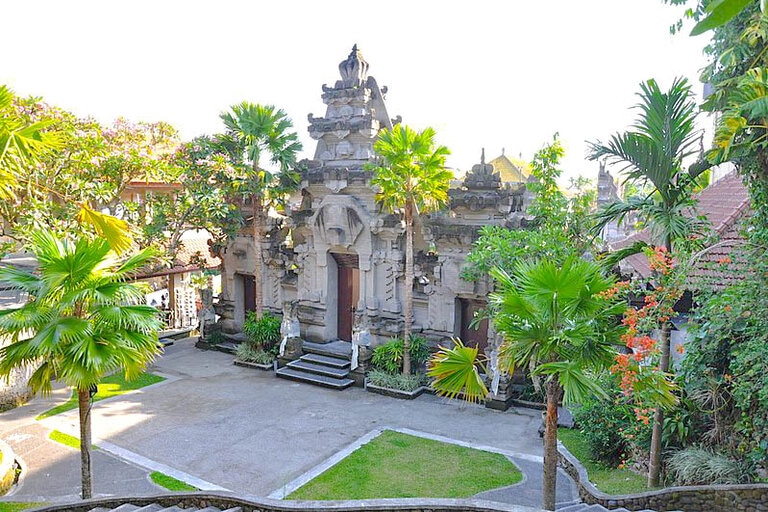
(680, 349)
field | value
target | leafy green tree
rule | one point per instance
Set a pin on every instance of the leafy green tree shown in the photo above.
(557, 320)
(560, 225)
(82, 321)
(652, 153)
(66, 186)
(253, 130)
(22, 143)
(411, 177)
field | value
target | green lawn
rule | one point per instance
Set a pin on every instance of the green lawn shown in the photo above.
(13, 506)
(607, 479)
(111, 385)
(396, 465)
(170, 483)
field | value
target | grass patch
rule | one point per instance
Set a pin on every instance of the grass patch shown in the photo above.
(14, 506)
(65, 439)
(396, 465)
(112, 385)
(170, 483)
(607, 479)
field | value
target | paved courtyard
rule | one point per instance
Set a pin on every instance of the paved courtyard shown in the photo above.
(242, 430)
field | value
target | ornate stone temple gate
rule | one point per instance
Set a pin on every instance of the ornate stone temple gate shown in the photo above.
(337, 262)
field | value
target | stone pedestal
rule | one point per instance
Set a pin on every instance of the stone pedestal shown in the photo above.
(502, 400)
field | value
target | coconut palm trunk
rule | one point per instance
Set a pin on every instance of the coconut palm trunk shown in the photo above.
(86, 470)
(654, 464)
(408, 288)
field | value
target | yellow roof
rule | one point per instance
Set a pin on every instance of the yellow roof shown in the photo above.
(510, 173)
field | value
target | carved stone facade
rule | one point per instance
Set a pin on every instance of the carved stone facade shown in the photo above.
(340, 260)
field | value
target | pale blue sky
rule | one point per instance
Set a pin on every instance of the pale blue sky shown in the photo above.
(485, 73)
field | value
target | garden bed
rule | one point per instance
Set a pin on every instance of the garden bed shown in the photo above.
(257, 366)
(394, 393)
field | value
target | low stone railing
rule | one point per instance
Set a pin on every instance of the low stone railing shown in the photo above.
(253, 504)
(7, 467)
(695, 498)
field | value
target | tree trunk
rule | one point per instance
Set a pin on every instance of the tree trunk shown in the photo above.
(86, 472)
(549, 484)
(408, 288)
(654, 465)
(257, 216)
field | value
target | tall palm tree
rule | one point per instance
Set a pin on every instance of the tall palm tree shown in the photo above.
(412, 179)
(653, 152)
(82, 321)
(555, 321)
(253, 130)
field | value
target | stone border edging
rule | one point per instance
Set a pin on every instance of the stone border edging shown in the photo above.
(256, 504)
(7, 470)
(694, 498)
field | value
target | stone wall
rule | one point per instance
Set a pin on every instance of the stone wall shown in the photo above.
(254, 504)
(14, 389)
(698, 498)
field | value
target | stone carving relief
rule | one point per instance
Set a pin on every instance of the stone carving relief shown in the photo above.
(338, 225)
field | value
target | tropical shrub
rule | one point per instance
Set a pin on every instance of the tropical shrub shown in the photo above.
(699, 466)
(725, 368)
(389, 356)
(610, 427)
(264, 332)
(249, 353)
(399, 381)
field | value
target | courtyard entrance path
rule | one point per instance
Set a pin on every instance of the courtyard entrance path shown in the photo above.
(222, 427)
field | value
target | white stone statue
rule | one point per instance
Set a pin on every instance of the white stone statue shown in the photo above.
(289, 327)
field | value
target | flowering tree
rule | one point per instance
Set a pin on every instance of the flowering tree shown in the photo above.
(641, 369)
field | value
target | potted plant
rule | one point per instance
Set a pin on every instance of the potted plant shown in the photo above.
(386, 377)
(262, 342)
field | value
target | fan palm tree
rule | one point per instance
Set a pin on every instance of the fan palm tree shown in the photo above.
(652, 153)
(412, 179)
(556, 322)
(82, 321)
(253, 130)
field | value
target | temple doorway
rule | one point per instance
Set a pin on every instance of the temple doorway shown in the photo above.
(348, 289)
(472, 336)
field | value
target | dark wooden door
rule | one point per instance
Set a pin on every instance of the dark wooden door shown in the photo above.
(348, 295)
(471, 336)
(249, 293)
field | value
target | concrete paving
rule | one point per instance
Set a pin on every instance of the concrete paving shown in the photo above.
(247, 431)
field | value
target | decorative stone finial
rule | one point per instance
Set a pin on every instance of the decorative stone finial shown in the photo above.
(354, 70)
(482, 157)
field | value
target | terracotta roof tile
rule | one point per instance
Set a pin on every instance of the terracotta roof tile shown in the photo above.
(724, 204)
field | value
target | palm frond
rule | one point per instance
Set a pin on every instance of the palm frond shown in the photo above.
(115, 231)
(576, 383)
(611, 259)
(455, 372)
(617, 211)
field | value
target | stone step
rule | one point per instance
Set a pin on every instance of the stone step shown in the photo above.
(335, 362)
(583, 507)
(154, 507)
(318, 369)
(126, 507)
(338, 349)
(311, 378)
(177, 509)
(233, 509)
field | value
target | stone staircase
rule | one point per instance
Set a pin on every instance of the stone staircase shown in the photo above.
(578, 506)
(155, 507)
(323, 364)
